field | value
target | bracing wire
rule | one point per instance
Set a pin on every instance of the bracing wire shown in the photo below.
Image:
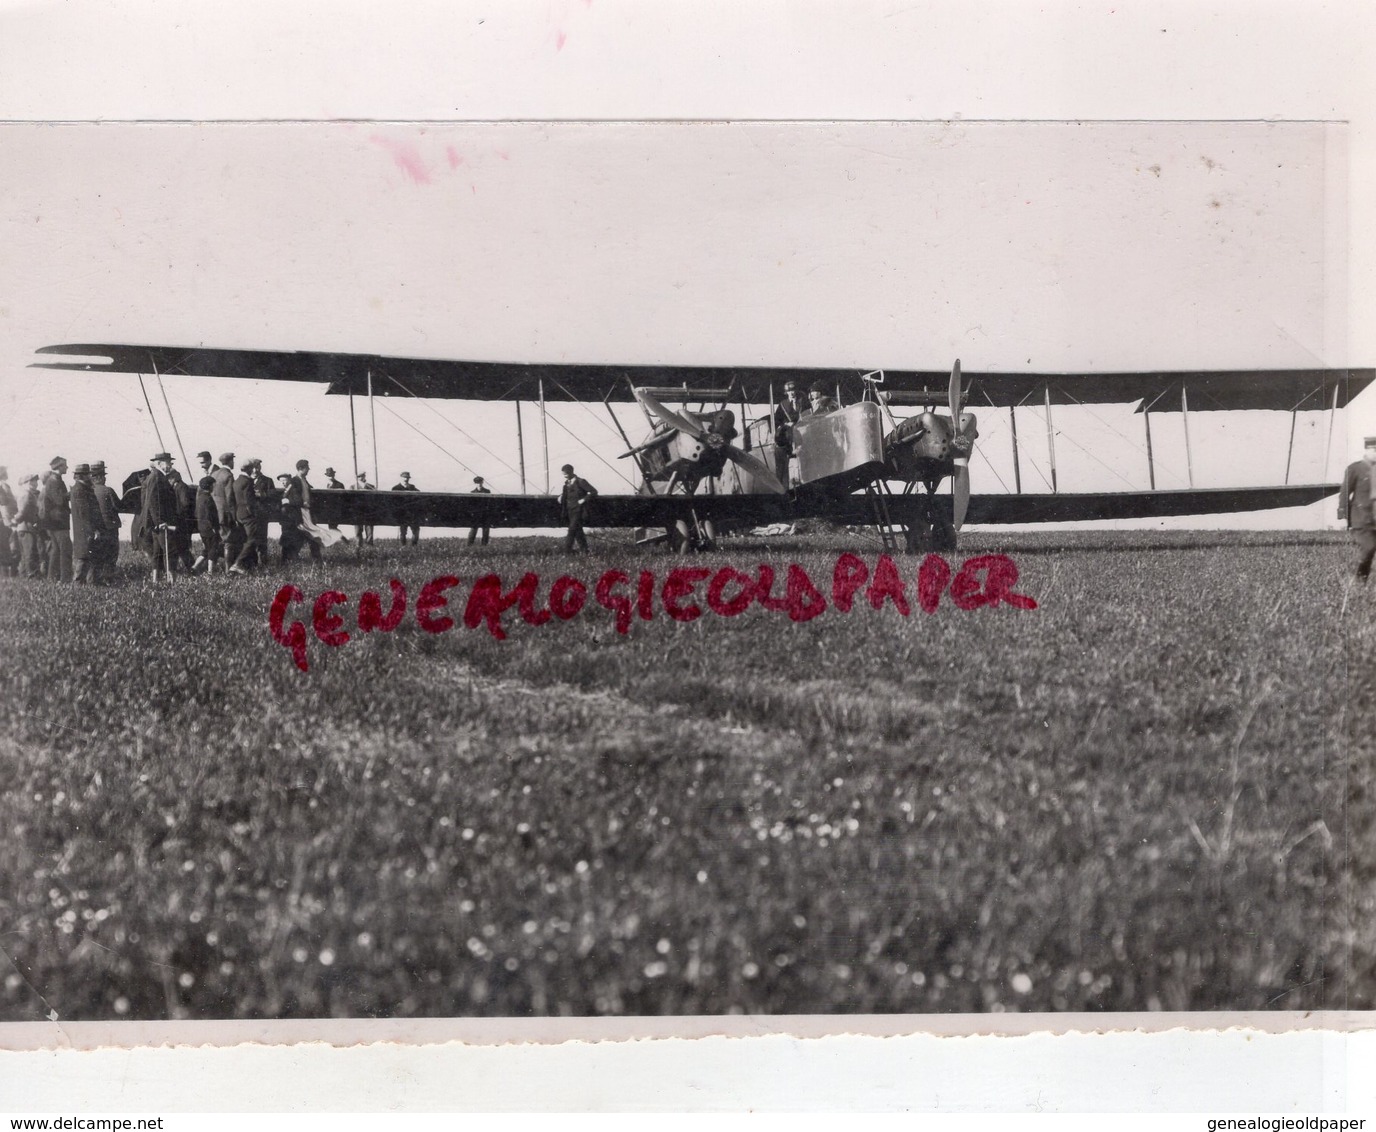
(467, 436)
(425, 436)
(1071, 440)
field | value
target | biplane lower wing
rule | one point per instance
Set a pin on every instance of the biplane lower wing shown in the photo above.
(436, 509)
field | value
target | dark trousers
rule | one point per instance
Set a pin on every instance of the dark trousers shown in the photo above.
(9, 550)
(255, 543)
(84, 564)
(59, 556)
(212, 545)
(473, 534)
(1366, 550)
(415, 534)
(105, 551)
(575, 533)
(234, 542)
(33, 553)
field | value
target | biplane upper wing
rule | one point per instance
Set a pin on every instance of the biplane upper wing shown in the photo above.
(1161, 391)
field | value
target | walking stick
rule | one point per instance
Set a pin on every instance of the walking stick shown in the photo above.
(166, 555)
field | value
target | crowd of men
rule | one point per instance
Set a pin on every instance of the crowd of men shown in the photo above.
(71, 534)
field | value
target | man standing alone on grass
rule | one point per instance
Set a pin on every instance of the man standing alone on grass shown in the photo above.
(1355, 504)
(574, 497)
(56, 510)
(107, 546)
(480, 488)
(407, 485)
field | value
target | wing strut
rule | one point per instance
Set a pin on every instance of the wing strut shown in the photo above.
(544, 433)
(1332, 410)
(1017, 472)
(372, 417)
(156, 430)
(1151, 467)
(1185, 420)
(175, 430)
(353, 436)
(1050, 437)
(1290, 448)
(520, 446)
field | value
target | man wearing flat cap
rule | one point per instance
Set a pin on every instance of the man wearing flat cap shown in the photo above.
(249, 515)
(56, 508)
(152, 528)
(86, 526)
(479, 488)
(407, 485)
(106, 552)
(1356, 505)
(28, 524)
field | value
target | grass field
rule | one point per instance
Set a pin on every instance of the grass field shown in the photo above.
(1152, 792)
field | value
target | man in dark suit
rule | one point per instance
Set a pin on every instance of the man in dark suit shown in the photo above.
(296, 507)
(249, 518)
(56, 508)
(479, 488)
(157, 515)
(332, 484)
(572, 500)
(107, 548)
(364, 534)
(407, 485)
(1355, 504)
(86, 526)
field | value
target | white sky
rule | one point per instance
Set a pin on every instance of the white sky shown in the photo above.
(1014, 246)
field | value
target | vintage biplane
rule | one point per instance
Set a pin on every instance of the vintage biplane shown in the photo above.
(860, 464)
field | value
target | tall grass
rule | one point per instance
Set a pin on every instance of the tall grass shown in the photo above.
(1151, 793)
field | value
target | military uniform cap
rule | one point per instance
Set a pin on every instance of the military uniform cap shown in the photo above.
(567, 469)
(405, 475)
(203, 455)
(477, 479)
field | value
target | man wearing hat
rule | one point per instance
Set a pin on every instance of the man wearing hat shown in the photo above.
(222, 495)
(86, 526)
(479, 488)
(55, 508)
(572, 499)
(1355, 504)
(407, 485)
(819, 400)
(152, 528)
(106, 552)
(248, 516)
(28, 523)
(364, 534)
(9, 541)
(332, 484)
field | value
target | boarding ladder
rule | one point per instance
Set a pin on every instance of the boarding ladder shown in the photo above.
(878, 494)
